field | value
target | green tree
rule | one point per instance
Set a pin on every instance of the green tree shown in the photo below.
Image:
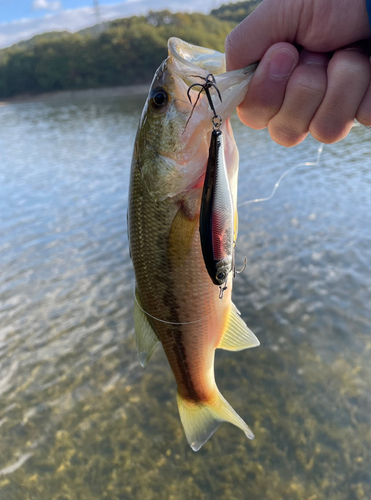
(127, 52)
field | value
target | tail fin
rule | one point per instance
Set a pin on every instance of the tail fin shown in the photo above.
(201, 420)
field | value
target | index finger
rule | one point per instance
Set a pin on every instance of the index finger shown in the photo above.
(266, 25)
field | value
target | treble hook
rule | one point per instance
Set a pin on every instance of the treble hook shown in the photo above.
(209, 82)
(241, 270)
(222, 289)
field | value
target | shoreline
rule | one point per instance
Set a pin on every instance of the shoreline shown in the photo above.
(122, 91)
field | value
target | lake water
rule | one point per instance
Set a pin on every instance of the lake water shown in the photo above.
(81, 420)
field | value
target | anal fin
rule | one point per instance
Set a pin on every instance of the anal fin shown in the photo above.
(146, 338)
(237, 335)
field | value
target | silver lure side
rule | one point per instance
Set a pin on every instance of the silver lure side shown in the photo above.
(216, 215)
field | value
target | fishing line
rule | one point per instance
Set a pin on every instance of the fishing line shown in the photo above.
(256, 200)
(288, 171)
(292, 169)
(169, 322)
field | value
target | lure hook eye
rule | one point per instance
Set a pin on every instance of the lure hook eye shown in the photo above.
(217, 121)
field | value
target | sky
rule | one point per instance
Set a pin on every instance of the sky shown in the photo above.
(22, 19)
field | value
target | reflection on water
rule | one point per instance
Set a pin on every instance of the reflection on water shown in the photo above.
(79, 418)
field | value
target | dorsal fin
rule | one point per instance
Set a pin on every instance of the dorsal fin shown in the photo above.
(237, 335)
(145, 337)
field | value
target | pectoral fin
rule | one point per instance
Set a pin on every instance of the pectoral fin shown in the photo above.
(145, 337)
(181, 237)
(237, 335)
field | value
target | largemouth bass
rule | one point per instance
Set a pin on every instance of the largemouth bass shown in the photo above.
(176, 302)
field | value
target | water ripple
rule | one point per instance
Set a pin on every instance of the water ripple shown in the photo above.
(77, 414)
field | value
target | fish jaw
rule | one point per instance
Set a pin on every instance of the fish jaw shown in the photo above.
(188, 57)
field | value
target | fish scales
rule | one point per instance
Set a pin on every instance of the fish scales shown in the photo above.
(176, 301)
(171, 299)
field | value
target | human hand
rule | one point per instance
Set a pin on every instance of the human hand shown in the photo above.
(319, 89)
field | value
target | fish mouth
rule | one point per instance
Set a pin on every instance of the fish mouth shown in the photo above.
(189, 121)
(192, 64)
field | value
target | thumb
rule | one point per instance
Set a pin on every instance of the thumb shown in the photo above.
(317, 25)
(269, 23)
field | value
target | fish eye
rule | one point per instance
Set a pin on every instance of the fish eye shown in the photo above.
(159, 98)
(221, 276)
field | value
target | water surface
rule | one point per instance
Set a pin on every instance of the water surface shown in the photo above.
(80, 419)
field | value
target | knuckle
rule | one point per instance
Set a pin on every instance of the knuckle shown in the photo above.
(252, 118)
(350, 66)
(328, 131)
(260, 105)
(285, 134)
(264, 100)
(233, 48)
(229, 44)
(309, 86)
(266, 107)
(364, 118)
(363, 114)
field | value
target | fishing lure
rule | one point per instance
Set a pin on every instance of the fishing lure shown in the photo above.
(217, 214)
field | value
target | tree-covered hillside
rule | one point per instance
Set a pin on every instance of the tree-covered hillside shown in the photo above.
(122, 52)
(235, 12)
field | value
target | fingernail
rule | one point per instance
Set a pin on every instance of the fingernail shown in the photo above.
(281, 63)
(317, 58)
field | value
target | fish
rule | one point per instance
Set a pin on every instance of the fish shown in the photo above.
(176, 303)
